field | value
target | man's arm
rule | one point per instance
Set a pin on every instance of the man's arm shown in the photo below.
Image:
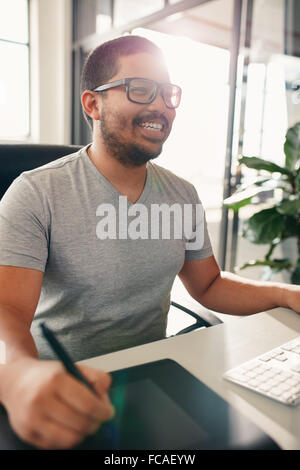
(19, 294)
(47, 407)
(228, 293)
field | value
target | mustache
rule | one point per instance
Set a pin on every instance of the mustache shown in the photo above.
(151, 116)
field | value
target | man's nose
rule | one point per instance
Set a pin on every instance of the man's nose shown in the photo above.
(158, 100)
(158, 104)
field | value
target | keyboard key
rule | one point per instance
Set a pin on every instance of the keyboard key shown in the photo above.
(295, 391)
(251, 374)
(253, 383)
(265, 387)
(286, 375)
(256, 382)
(265, 358)
(280, 377)
(284, 387)
(292, 381)
(265, 366)
(268, 374)
(281, 358)
(296, 367)
(250, 366)
(239, 377)
(277, 353)
(274, 382)
(275, 391)
(286, 395)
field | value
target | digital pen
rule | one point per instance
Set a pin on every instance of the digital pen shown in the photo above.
(75, 372)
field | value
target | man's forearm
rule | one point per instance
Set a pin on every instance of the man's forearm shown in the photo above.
(15, 335)
(17, 343)
(236, 295)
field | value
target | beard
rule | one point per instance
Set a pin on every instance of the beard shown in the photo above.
(127, 153)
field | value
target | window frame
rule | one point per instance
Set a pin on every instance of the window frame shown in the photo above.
(26, 137)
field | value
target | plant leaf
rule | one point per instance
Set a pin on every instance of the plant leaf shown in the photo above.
(259, 181)
(274, 264)
(292, 147)
(289, 206)
(261, 164)
(264, 226)
(242, 198)
(244, 194)
(235, 206)
(291, 227)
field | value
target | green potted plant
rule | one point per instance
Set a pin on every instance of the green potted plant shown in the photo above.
(281, 219)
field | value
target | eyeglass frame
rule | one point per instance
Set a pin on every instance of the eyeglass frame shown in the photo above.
(126, 82)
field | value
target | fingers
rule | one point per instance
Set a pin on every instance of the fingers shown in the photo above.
(52, 435)
(100, 381)
(83, 401)
(62, 414)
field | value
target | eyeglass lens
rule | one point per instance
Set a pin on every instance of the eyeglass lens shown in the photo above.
(144, 91)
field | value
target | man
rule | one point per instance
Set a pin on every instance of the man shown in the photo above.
(99, 288)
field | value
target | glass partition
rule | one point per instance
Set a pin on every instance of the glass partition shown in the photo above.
(272, 105)
(14, 77)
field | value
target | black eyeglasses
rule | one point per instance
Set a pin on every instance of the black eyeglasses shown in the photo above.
(144, 91)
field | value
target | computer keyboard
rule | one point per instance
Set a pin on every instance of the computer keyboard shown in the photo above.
(275, 374)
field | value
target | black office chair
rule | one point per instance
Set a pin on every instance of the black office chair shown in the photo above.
(16, 158)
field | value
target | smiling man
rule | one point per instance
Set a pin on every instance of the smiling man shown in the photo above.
(130, 126)
(100, 292)
(132, 114)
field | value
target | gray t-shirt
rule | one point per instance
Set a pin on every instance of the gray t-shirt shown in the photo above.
(103, 289)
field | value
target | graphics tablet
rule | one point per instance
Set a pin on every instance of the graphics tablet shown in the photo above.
(162, 406)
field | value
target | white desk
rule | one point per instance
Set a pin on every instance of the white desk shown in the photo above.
(208, 353)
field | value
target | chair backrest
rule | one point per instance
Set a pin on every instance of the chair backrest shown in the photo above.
(16, 158)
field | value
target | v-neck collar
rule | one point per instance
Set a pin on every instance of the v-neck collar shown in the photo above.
(147, 186)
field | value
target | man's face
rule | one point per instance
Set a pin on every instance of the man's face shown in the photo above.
(123, 134)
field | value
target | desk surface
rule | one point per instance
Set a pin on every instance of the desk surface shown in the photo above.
(208, 353)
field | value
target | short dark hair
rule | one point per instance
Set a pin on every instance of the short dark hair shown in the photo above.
(102, 62)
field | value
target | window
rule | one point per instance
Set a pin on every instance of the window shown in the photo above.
(14, 76)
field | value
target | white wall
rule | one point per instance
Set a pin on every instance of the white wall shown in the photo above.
(50, 36)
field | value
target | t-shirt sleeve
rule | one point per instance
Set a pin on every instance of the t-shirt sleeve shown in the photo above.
(23, 226)
(198, 245)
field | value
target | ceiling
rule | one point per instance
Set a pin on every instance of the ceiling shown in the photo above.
(211, 23)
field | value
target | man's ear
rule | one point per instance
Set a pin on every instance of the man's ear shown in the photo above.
(91, 104)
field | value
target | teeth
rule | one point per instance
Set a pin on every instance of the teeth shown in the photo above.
(152, 125)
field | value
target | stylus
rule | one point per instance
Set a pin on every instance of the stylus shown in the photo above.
(62, 354)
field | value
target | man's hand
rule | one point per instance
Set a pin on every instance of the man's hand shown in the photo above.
(50, 409)
(291, 297)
